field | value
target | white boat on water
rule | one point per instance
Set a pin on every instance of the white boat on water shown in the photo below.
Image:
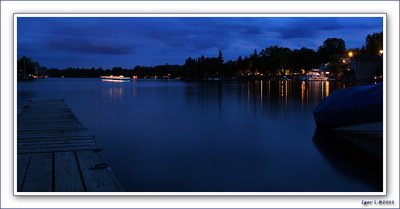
(317, 78)
(112, 78)
(315, 75)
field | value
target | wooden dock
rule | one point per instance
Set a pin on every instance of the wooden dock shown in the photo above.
(56, 153)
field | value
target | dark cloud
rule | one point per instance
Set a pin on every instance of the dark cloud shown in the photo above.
(300, 28)
(89, 45)
(131, 41)
(290, 33)
(312, 27)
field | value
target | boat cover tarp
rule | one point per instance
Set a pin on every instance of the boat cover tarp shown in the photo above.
(351, 106)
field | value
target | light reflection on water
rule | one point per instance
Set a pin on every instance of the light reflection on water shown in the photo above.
(167, 135)
(112, 94)
(256, 90)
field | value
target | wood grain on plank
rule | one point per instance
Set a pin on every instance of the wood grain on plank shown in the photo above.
(67, 177)
(96, 174)
(57, 153)
(22, 167)
(39, 175)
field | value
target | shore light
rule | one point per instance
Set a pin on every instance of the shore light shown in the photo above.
(350, 54)
(381, 52)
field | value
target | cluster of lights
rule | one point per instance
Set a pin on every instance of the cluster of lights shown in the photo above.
(351, 54)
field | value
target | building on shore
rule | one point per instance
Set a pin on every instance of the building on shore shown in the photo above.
(366, 67)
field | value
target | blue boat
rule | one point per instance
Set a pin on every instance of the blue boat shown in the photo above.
(352, 109)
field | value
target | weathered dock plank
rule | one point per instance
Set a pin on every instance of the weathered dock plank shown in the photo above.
(52, 138)
(67, 175)
(23, 162)
(65, 131)
(59, 149)
(49, 141)
(56, 153)
(39, 174)
(96, 173)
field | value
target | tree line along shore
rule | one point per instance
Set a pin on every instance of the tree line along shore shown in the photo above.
(269, 63)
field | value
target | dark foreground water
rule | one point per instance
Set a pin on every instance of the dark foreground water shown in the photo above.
(175, 136)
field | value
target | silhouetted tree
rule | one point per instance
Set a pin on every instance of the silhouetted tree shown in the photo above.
(220, 57)
(303, 58)
(254, 62)
(335, 65)
(239, 65)
(373, 43)
(190, 68)
(268, 61)
(220, 61)
(231, 69)
(331, 47)
(246, 65)
(276, 58)
(26, 68)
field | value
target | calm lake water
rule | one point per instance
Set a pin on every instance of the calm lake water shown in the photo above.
(176, 136)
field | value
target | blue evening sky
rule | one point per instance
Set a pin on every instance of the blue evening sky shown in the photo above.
(107, 42)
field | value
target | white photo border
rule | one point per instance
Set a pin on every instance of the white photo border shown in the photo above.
(21, 10)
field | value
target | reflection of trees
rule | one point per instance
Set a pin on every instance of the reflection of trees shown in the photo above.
(206, 96)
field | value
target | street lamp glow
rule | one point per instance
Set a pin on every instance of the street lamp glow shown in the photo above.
(381, 52)
(350, 54)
